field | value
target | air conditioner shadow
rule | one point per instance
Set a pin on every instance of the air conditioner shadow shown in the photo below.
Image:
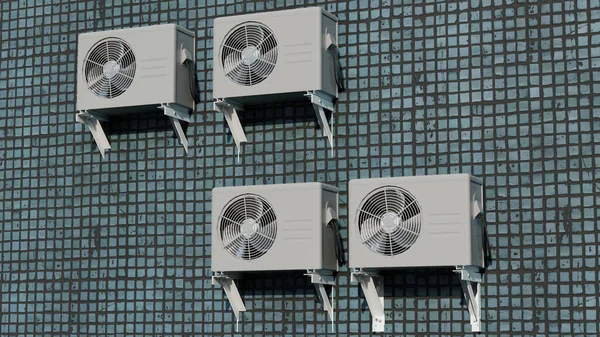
(140, 123)
(287, 283)
(419, 283)
(257, 116)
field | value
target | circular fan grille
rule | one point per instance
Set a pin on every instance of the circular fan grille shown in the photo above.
(109, 68)
(248, 227)
(389, 220)
(249, 53)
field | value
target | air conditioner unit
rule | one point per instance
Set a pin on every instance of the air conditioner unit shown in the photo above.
(425, 221)
(136, 70)
(276, 56)
(275, 228)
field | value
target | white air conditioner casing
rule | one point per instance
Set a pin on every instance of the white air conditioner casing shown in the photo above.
(301, 63)
(277, 56)
(142, 70)
(160, 77)
(424, 221)
(299, 239)
(448, 233)
(284, 227)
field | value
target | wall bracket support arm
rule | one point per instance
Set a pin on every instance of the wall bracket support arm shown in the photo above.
(92, 121)
(229, 111)
(372, 286)
(233, 294)
(471, 277)
(321, 103)
(321, 278)
(177, 114)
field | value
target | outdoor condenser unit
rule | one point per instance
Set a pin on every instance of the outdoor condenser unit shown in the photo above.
(276, 56)
(424, 221)
(136, 70)
(282, 227)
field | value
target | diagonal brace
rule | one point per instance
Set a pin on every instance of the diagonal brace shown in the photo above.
(372, 286)
(320, 278)
(92, 121)
(233, 294)
(177, 114)
(470, 277)
(321, 103)
(233, 121)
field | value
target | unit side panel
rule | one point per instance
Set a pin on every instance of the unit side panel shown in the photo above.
(477, 233)
(329, 201)
(356, 192)
(328, 83)
(183, 94)
(219, 256)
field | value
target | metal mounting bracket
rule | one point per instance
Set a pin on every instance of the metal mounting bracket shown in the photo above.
(177, 114)
(471, 276)
(233, 294)
(321, 103)
(320, 278)
(92, 121)
(372, 286)
(229, 111)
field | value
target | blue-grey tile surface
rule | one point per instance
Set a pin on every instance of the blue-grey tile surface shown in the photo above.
(503, 89)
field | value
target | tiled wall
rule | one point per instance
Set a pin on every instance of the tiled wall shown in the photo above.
(502, 89)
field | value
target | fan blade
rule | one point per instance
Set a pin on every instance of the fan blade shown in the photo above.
(129, 70)
(240, 251)
(411, 225)
(254, 34)
(107, 51)
(263, 239)
(97, 77)
(395, 201)
(255, 77)
(260, 246)
(370, 229)
(121, 52)
(119, 82)
(94, 63)
(110, 95)
(271, 39)
(103, 88)
(235, 212)
(267, 211)
(233, 65)
(254, 207)
(230, 238)
(268, 56)
(127, 62)
(268, 231)
(376, 203)
(406, 234)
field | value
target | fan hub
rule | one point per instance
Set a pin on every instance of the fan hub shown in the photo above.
(250, 54)
(249, 228)
(390, 221)
(111, 68)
